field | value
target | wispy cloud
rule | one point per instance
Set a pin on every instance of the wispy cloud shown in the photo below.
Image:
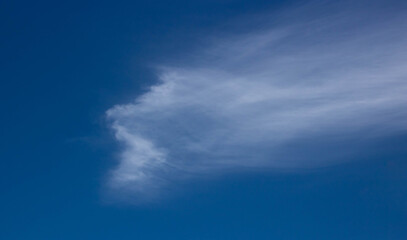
(337, 73)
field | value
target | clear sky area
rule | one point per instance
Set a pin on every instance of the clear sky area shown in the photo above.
(207, 120)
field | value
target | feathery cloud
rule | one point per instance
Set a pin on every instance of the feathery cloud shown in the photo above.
(301, 79)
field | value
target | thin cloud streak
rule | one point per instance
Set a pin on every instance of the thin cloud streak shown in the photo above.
(338, 75)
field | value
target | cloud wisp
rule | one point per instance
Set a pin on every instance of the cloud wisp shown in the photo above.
(332, 76)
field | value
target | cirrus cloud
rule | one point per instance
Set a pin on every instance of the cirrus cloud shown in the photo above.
(335, 74)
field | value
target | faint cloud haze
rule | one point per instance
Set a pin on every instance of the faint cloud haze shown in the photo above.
(313, 76)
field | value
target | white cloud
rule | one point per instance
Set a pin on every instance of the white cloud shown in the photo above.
(250, 94)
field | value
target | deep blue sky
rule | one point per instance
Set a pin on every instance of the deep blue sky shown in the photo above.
(63, 64)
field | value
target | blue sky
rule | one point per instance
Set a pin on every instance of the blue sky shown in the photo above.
(203, 120)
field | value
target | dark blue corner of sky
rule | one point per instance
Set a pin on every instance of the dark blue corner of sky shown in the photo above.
(64, 63)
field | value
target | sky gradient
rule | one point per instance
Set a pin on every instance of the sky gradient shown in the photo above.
(203, 120)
